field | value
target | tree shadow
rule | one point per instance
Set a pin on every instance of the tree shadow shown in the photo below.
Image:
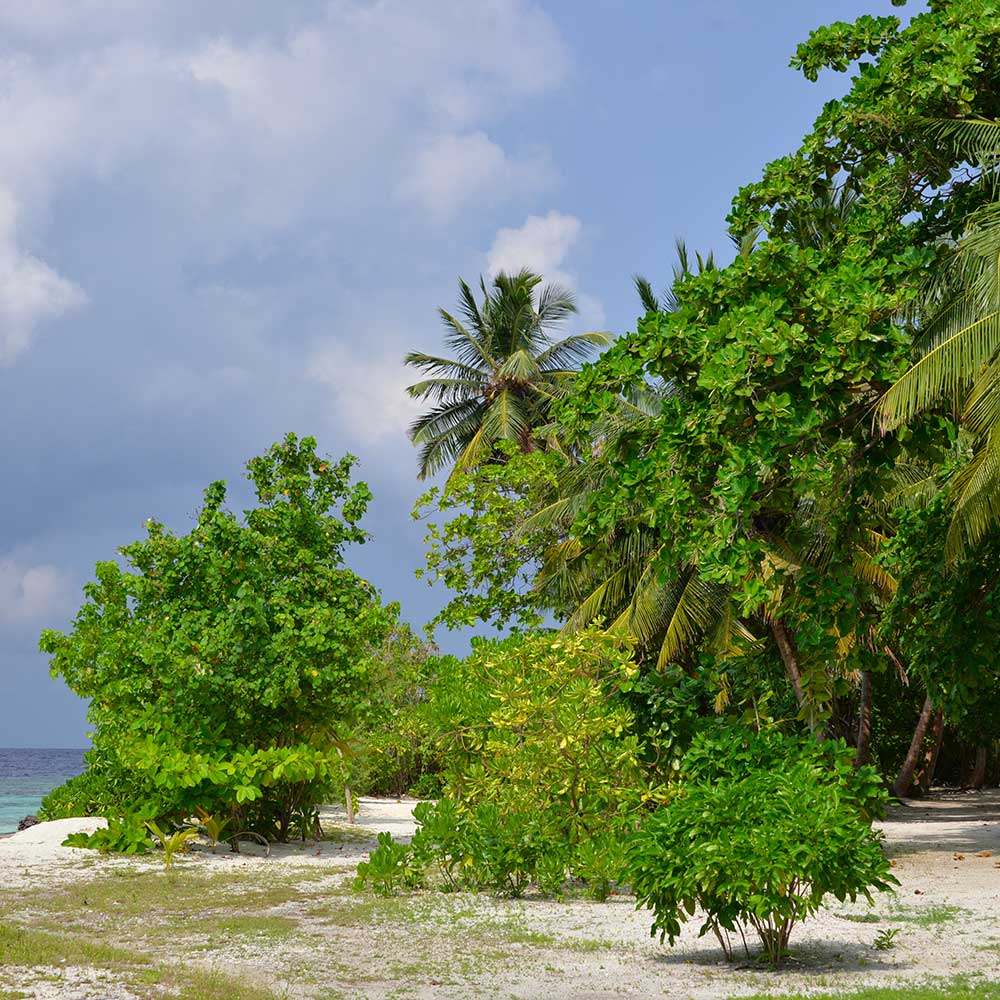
(966, 822)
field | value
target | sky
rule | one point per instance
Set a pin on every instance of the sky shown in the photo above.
(222, 221)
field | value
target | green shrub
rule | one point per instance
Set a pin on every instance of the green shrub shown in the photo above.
(123, 835)
(725, 753)
(543, 773)
(760, 843)
(222, 665)
(389, 868)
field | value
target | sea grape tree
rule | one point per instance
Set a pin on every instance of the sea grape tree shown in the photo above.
(224, 665)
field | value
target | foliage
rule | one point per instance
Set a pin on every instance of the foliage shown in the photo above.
(536, 724)
(480, 552)
(761, 845)
(214, 827)
(504, 375)
(126, 834)
(171, 843)
(725, 753)
(885, 940)
(544, 773)
(389, 867)
(222, 664)
(394, 750)
(945, 617)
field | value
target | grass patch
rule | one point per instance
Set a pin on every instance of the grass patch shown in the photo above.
(956, 990)
(243, 925)
(22, 947)
(926, 916)
(860, 918)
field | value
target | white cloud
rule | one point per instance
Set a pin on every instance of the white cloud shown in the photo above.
(241, 138)
(30, 593)
(451, 171)
(30, 291)
(543, 245)
(368, 395)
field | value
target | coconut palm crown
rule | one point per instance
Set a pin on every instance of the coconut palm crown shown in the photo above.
(504, 373)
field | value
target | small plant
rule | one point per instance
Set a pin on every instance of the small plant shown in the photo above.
(600, 862)
(176, 841)
(885, 940)
(214, 827)
(389, 868)
(123, 835)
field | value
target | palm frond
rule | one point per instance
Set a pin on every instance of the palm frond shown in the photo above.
(443, 367)
(472, 351)
(976, 492)
(446, 388)
(944, 371)
(574, 349)
(647, 297)
(506, 418)
(519, 365)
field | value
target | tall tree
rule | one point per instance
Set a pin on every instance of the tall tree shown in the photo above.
(504, 373)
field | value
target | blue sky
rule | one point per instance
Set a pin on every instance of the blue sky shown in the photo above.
(220, 222)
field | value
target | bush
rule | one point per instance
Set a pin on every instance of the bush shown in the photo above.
(760, 842)
(543, 772)
(224, 666)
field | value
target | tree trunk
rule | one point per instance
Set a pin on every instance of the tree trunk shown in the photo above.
(790, 658)
(931, 756)
(979, 770)
(863, 752)
(901, 786)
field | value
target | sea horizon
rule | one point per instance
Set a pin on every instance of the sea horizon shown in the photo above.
(28, 774)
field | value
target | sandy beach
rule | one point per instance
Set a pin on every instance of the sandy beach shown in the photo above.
(289, 925)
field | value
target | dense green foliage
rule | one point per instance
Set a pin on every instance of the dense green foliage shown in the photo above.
(751, 843)
(223, 665)
(544, 772)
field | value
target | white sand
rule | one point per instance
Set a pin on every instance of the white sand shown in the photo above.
(602, 950)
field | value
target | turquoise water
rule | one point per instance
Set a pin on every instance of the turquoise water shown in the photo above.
(27, 775)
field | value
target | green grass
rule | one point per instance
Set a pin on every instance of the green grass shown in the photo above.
(960, 989)
(22, 948)
(926, 916)
(861, 918)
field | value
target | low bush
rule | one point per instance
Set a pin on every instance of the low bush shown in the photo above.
(544, 775)
(762, 830)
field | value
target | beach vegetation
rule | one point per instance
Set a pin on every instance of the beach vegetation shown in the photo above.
(225, 665)
(748, 844)
(504, 374)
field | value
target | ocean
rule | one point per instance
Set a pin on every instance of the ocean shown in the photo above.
(27, 775)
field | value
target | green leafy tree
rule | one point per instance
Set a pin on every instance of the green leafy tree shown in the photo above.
(223, 665)
(776, 361)
(504, 374)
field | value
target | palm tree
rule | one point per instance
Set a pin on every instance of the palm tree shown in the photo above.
(504, 375)
(959, 361)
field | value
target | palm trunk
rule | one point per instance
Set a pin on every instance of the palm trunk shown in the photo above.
(931, 756)
(863, 752)
(901, 786)
(790, 658)
(979, 770)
